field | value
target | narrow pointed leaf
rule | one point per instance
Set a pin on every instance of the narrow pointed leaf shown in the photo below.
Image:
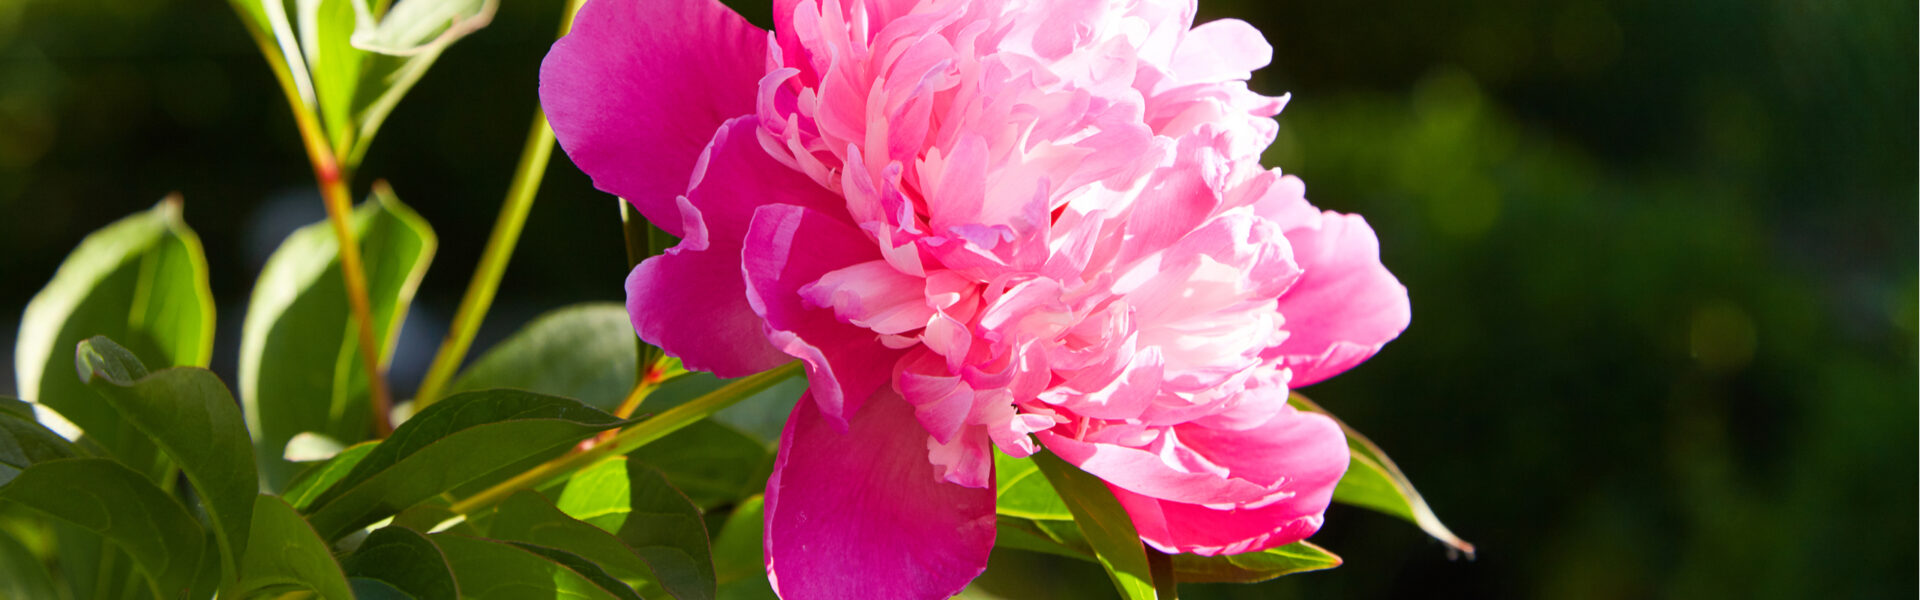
(405, 560)
(487, 569)
(457, 441)
(1373, 481)
(121, 505)
(1254, 567)
(1108, 529)
(399, 47)
(190, 414)
(584, 567)
(285, 551)
(308, 485)
(141, 280)
(584, 352)
(299, 357)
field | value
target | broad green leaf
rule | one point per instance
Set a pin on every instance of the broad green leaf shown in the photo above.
(739, 555)
(1254, 567)
(454, 442)
(308, 485)
(1373, 481)
(1021, 491)
(121, 505)
(285, 551)
(405, 560)
(638, 504)
(711, 463)
(1041, 536)
(190, 414)
(141, 280)
(1108, 529)
(25, 442)
(584, 567)
(299, 356)
(22, 575)
(495, 570)
(528, 517)
(584, 352)
(374, 589)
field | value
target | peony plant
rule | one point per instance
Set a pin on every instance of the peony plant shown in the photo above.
(1011, 270)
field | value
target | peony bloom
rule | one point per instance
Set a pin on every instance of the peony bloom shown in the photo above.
(981, 224)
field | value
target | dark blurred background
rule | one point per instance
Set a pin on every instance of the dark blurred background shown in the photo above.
(1661, 254)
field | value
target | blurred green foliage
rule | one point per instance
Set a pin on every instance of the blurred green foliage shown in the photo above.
(1662, 259)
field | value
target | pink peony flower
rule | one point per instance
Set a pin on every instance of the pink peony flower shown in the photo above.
(981, 223)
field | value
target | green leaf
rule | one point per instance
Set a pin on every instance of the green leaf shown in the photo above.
(584, 567)
(24, 442)
(762, 415)
(739, 554)
(712, 464)
(374, 589)
(488, 570)
(326, 29)
(406, 560)
(190, 414)
(456, 441)
(121, 505)
(1021, 491)
(1253, 567)
(141, 280)
(528, 517)
(584, 352)
(665, 528)
(285, 551)
(299, 357)
(1373, 481)
(401, 45)
(1108, 529)
(22, 575)
(308, 485)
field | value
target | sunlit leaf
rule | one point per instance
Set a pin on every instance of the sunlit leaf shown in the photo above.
(141, 280)
(638, 504)
(1373, 481)
(528, 517)
(285, 551)
(456, 441)
(585, 352)
(121, 505)
(190, 414)
(405, 560)
(1021, 491)
(739, 554)
(1108, 529)
(487, 569)
(308, 485)
(299, 356)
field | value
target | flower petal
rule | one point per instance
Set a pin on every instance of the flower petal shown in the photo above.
(787, 248)
(862, 514)
(638, 87)
(1345, 306)
(1302, 455)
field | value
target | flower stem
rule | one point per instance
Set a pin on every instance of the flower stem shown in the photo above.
(630, 439)
(493, 260)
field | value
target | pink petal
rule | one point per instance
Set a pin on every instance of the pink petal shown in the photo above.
(787, 248)
(1147, 473)
(861, 514)
(1345, 306)
(1302, 455)
(1223, 50)
(692, 301)
(637, 88)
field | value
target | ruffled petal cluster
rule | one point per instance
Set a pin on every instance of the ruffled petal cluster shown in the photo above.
(981, 224)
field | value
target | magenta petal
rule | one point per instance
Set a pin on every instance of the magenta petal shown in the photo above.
(1345, 306)
(637, 88)
(1302, 455)
(862, 514)
(788, 247)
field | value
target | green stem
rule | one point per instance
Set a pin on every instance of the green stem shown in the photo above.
(630, 439)
(499, 250)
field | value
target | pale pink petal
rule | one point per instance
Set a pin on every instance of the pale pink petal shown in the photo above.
(1227, 49)
(789, 247)
(1345, 306)
(1299, 455)
(637, 88)
(861, 514)
(1145, 472)
(873, 295)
